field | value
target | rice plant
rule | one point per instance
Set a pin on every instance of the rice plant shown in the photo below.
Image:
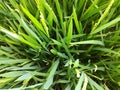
(59, 45)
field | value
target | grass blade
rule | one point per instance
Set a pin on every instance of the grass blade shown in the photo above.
(96, 42)
(80, 82)
(101, 28)
(50, 77)
(70, 31)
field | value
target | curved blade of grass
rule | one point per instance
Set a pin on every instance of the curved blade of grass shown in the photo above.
(85, 83)
(59, 10)
(8, 61)
(80, 82)
(9, 33)
(103, 15)
(5, 80)
(50, 77)
(106, 50)
(28, 29)
(12, 74)
(15, 36)
(57, 42)
(24, 77)
(36, 23)
(55, 52)
(66, 48)
(70, 31)
(109, 24)
(96, 42)
(93, 83)
(79, 29)
(24, 88)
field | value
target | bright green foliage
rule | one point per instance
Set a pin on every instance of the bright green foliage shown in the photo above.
(59, 44)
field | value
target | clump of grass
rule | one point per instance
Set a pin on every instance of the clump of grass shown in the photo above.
(59, 44)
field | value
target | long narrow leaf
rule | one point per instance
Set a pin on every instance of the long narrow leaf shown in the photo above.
(49, 80)
(80, 82)
(101, 28)
(96, 42)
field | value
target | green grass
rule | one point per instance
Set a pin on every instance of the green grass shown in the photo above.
(59, 45)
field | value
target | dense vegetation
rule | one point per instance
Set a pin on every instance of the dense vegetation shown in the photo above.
(59, 44)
